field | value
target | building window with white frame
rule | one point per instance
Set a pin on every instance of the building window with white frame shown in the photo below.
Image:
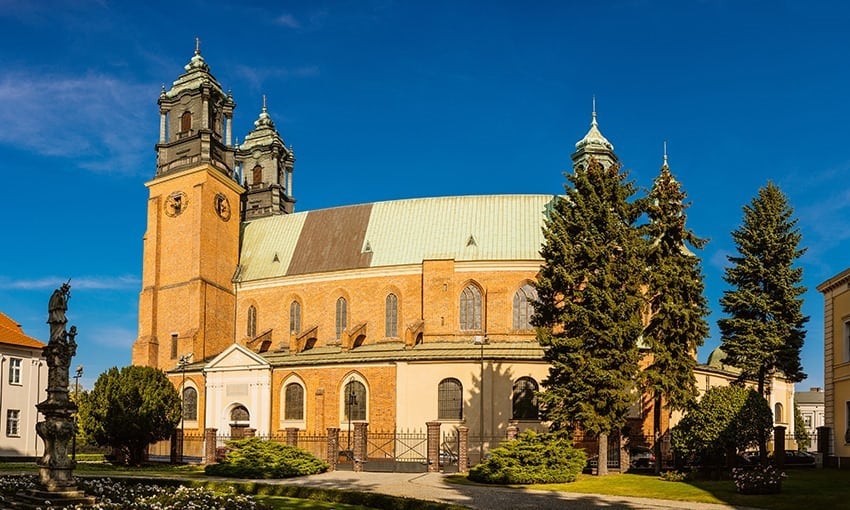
(15, 370)
(13, 417)
(190, 404)
(293, 405)
(450, 399)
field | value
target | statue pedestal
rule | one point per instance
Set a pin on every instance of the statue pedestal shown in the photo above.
(33, 499)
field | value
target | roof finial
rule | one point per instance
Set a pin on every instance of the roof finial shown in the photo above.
(197, 45)
(593, 122)
(665, 153)
(264, 103)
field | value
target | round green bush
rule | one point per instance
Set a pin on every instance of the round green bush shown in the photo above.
(256, 458)
(531, 458)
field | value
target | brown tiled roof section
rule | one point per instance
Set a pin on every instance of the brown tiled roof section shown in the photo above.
(331, 240)
(11, 333)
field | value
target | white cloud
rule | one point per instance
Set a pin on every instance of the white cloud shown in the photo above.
(96, 119)
(258, 76)
(288, 20)
(126, 282)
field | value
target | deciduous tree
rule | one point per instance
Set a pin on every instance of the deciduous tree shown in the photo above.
(129, 409)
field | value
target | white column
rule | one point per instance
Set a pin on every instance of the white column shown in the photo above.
(162, 126)
(289, 183)
(229, 123)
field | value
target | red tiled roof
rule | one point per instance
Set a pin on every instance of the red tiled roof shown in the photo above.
(11, 333)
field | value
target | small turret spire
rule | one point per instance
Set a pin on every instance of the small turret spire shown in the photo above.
(593, 114)
(197, 45)
(265, 109)
(665, 154)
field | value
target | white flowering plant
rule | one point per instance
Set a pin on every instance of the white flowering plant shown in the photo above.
(759, 479)
(116, 494)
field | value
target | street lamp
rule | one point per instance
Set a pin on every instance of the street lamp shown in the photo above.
(481, 341)
(77, 376)
(181, 364)
(350, 401)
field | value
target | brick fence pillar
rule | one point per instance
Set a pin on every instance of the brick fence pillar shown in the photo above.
(249, 432)
(292, 436)
(176, 452)
(463, 449)
(210, 446)
(360, 441)
(433, 446)
(333, 448)
(513, 432)
(779, 445)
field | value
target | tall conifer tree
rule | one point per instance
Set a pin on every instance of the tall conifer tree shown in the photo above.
(676, 306)
(763, 333)
(589, 303)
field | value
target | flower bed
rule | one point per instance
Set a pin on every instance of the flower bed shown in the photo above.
(758, 480)
(116, 495)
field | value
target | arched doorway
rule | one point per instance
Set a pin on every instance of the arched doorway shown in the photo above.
(239, 421)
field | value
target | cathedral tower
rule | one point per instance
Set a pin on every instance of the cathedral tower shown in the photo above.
(267, 167)
(191, 246)
(594, 145)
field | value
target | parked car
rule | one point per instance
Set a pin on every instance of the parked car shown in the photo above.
(641, 457)
(799, 458)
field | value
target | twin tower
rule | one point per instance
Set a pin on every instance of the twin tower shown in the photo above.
(203, 188)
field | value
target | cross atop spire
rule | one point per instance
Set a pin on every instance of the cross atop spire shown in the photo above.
(665, 153)
(264, 103)
(593, 114)
(197, 45)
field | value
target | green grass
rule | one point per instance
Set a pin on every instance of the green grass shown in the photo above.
(804, 488)
(280, 502)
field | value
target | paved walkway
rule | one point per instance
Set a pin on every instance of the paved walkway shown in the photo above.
(435, 487)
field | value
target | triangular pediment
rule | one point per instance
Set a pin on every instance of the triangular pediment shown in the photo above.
(236, 356)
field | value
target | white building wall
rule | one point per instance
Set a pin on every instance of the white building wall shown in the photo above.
(23, 397)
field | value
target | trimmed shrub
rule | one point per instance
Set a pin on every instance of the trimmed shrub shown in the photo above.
(256, 458)
(531, 458)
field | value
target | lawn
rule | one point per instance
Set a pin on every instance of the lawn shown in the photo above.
(803, 488)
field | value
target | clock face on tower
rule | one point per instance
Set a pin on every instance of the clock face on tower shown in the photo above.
(176, 203)
(222, 206)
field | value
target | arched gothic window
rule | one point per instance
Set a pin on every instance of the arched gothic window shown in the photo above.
(450, 400)
(294, 402)
(341, 316)
(391, 316)
(525, 399)
(190, 403)
(295, 317)
(470, 309)
(252, 322)
(777, 413)
(523, 307)
(354, 401)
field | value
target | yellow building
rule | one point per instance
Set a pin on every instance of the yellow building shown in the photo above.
(836, 362)
(394, 313)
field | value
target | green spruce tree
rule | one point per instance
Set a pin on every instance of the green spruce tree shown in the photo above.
(763, 333)
(588, 314)
(676, 306)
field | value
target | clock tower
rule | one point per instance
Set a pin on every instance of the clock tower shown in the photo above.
(191, 246)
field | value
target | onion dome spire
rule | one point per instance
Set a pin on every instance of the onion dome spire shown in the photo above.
(594, 145)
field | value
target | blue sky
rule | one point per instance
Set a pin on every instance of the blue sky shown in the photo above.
(385, 100)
